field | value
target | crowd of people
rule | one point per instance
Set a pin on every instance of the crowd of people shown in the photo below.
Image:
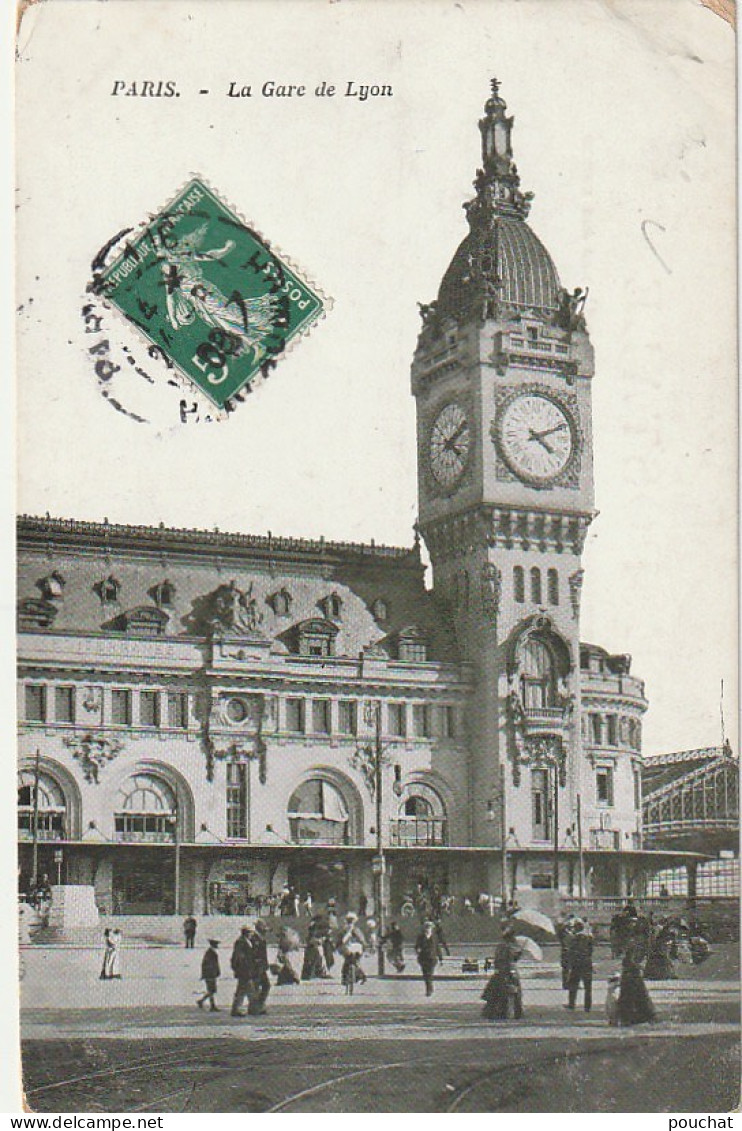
(646, 947)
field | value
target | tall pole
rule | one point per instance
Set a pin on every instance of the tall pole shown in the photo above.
(580, 857)
(177, 859)
(380, 861)
(503, 835)
(556, 826)
(35, 821)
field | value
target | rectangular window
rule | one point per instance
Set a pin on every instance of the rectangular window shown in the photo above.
(321, 716)
(421, 721)
(412, 652)
(347, 714)
(540, 804)
(64, 704)
(295, 716)
(396, 719)
(35, 702)
(604, 785)
(596, 729)
(149, 708)
(121, 708)
(448, 722)
(236, 801)
(177, 710)
(612, 721)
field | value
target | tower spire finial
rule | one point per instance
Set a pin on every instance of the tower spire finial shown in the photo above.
(497, 182)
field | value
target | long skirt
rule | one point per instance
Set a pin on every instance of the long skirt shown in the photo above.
(287, 975)
(659, 964)
(502, 995)
(634, 1003)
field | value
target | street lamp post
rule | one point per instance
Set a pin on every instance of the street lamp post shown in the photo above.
(370, 761)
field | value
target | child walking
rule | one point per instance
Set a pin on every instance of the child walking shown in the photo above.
(210, 971)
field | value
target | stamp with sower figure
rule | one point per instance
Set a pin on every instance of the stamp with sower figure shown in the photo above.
(207, 292)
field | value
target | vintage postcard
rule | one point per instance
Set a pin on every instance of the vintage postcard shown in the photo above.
(377, 567)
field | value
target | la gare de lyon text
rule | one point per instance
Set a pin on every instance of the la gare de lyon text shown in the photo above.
(269, 89)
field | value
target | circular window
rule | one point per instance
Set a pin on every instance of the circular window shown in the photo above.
(236, 710)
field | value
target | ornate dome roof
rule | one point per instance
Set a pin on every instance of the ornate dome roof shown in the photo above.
(524, 270)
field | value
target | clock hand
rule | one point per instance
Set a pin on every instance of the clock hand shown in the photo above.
(538, 437)
(549, 431)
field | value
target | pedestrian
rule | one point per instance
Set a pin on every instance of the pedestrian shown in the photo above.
(634, 1003)
(332, 915)
(243, 970)
(362, 905)
(308, 905)
(105, 973)
(565, 933)
(503, 991)
(288, 944)
(580, 965)
(189, 931)
(260, 982)
(394, 939)
(428, 951)
(210, 971)
(351, 945)
(115, 941)
(658, 966)
(295, 903)
(314, 957)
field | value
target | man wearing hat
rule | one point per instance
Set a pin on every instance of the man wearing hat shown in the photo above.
(210, 971)
(580, 965)
(428, 951)
(243, 969)
(261, 986)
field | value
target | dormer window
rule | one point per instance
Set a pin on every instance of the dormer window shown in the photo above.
(315, 638)
(108, 590)
(163, 594)
(280, 602)
(411, 646)
(380, 609)
(142, 621)
(33, 613)
(332, 606)
(52, 586)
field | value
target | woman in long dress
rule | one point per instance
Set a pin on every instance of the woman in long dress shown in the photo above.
(634, 1003)
(503, 989)
(108, 952)
(289, 944)
(115, 943)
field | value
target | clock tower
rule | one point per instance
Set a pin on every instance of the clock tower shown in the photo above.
(502, 377)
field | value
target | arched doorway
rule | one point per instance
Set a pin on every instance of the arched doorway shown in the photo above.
(320, 814)
(145, 816)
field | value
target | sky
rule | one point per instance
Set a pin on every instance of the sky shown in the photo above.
(624, 130)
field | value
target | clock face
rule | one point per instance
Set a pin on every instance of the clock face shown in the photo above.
(536, 438)
(450, 445)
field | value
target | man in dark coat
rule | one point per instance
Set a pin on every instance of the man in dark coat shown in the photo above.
(210, 971)
(189, 930)
(243, 968)
(580, 965)
(428, 951)
(261, 985)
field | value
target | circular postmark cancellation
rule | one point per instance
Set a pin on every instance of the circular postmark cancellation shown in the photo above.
(213, 304)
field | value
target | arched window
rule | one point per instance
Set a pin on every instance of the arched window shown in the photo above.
(538, 675)
(281, 602)
(552, 586)
(379, 609)
(536, 585)
(146, 810)
(519, 584)
(318, 814)
(422, 818)
(50, 811)
(163, 594)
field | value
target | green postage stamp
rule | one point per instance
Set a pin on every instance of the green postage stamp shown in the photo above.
(209, 292)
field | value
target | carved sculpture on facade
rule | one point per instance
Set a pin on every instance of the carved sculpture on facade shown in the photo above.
(235, 611)
(92, 753)
(491, 583)
(247, 745)
(570, 314)
(575, 591)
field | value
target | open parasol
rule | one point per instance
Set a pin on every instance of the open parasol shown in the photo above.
(533, 924)
(529, 947)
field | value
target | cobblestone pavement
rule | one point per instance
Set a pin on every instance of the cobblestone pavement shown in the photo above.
(142, 1043)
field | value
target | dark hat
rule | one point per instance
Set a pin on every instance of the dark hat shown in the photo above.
(260, 927)
(213, 942)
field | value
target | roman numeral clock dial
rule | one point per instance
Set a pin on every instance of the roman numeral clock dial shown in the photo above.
(536, 437)
(449, 446)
